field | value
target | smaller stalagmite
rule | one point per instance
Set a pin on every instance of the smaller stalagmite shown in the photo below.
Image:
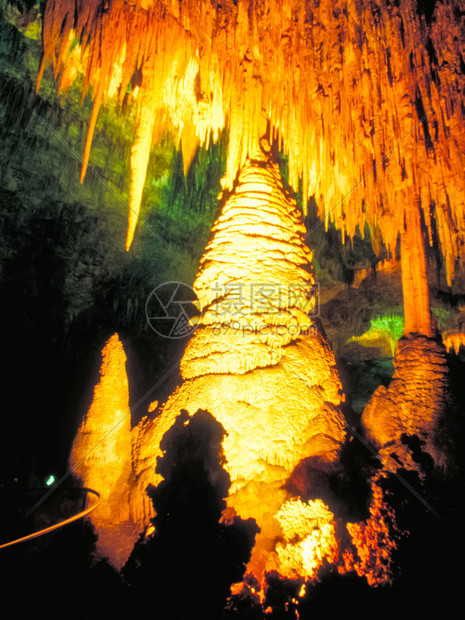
(416, 398)
(414, 401)
(101, 456)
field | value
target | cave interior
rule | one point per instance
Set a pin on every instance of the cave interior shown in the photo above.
(253, 474)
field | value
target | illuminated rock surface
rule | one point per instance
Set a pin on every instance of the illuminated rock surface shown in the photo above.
(340, 87)
(101, 456)
(414, 401)
(373, 542)
(343, 84)
(309, 538)
(453, 341)
(383, 334)
(252, 366)
(258, 366)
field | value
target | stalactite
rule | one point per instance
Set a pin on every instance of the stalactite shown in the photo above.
(345, 86)
(364, 97)
(453, 341)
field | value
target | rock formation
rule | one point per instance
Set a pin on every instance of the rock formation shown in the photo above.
(414, 401)
(364, 96)
(253, 361)
(101, 456)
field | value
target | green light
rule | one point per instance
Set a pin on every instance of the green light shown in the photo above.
(383, 328)
(392, 324)
(50, 481)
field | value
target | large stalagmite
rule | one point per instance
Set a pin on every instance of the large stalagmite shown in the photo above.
(254, 362)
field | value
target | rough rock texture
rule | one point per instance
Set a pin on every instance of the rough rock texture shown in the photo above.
(414, 401)
(101, 456)
(256, 363)
(253, 362)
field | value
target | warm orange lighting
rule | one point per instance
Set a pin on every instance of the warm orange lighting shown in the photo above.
(101, 456)
(310, 538)
(453, 341)
(153, 406)
(340, 87)
(255, 366)
(373, 542)
(414, 401)
(341, 84)
(252, 364)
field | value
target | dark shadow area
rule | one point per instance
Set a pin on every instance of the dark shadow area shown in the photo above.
(54, 577)
(187, 568)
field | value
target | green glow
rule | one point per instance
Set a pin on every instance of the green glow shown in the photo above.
(384, 333)
(50, 481)
(392, 324)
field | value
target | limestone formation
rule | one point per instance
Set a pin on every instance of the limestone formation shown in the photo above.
(365, 97)
(101, 456)
(253, 361)
(413, 403)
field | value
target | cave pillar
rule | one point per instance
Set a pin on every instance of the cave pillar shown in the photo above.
(414, 279)
(415, 400)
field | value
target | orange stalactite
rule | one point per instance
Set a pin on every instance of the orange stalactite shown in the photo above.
(90, 131)
(364, 98)
(345, 86)
(453, 341)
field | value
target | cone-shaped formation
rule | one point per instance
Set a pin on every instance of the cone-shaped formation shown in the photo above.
(365, 96)
(253, 362)
(101, 456)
